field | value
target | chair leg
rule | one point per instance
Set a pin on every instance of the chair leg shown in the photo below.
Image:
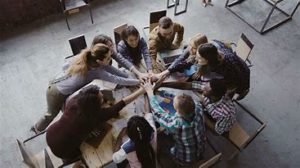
(91, 15)
(66, 17)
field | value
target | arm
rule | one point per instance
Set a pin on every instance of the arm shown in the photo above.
(180, 31)
(180, 62)
(122, 61)
(146, 54)
(108, 73)
(153, 51)
(163, 118)
(134, 95)
(113, 111)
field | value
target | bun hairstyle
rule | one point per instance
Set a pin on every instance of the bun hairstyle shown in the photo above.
(102, 38)
(88, 58)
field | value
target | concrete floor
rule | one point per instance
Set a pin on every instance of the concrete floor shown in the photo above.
(32, 54)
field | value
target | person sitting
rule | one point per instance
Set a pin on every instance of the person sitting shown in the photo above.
(133, 48)
(139, 147)
(162, 38)
(218, 107)
(90, 64)
(121, 60)
(82, 114)
(221, 60)
(185, 60)
(185, 126)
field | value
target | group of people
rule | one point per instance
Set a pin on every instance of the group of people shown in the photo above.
(183, 140)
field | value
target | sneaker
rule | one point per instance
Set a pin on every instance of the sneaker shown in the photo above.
(34, 129)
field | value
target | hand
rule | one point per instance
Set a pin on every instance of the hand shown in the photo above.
(196, 76)
(174, 46)
(148, 87)
(235, 96)
(143, 76)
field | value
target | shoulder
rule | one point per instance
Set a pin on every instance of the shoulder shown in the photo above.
(178, 26)
(154, 34)
(121, 45)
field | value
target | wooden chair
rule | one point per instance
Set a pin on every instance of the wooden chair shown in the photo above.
(73, 6)
(206, 163)
(154, 18)
(45, 158)
(243, 49)
(118, 33)
(238, 136)
(77, 44)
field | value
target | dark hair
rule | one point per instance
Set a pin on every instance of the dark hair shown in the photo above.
(165, 22)
(89, 101)
(140, 132)
(186, 104)
(209, 52)
(218, 87)
(102, 38)
(130, 31)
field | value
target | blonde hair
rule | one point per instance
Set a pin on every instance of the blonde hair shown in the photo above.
(196, 41)
(87, 58)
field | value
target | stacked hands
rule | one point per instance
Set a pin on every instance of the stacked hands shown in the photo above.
(152, 77)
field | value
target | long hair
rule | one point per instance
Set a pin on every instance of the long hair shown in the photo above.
(89, 101)
(210, 53)
(88, 58)
(129, 31)
(140, 132)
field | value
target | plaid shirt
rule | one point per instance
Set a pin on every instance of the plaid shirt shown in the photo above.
(223, 112)
(234, 70)
(189, 136)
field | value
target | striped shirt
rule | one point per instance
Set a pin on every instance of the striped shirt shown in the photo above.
(188, 133)
(223, 112)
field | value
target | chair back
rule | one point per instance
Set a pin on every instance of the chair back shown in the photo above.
(244, 47)
(213, 160)
(238, 136)
(118, 33)
(154, 18)
(77, 44)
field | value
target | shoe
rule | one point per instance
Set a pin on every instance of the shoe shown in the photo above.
(34, 129)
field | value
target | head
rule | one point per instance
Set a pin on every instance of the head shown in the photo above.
(89, 101)
(184, 105)
(196, 41)
(131, 35)
(215, 88)
(208, 55)
(165, 27)
(99, 54)
(140, 132)
(103, 39)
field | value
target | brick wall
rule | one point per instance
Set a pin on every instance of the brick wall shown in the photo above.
(17, 12)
